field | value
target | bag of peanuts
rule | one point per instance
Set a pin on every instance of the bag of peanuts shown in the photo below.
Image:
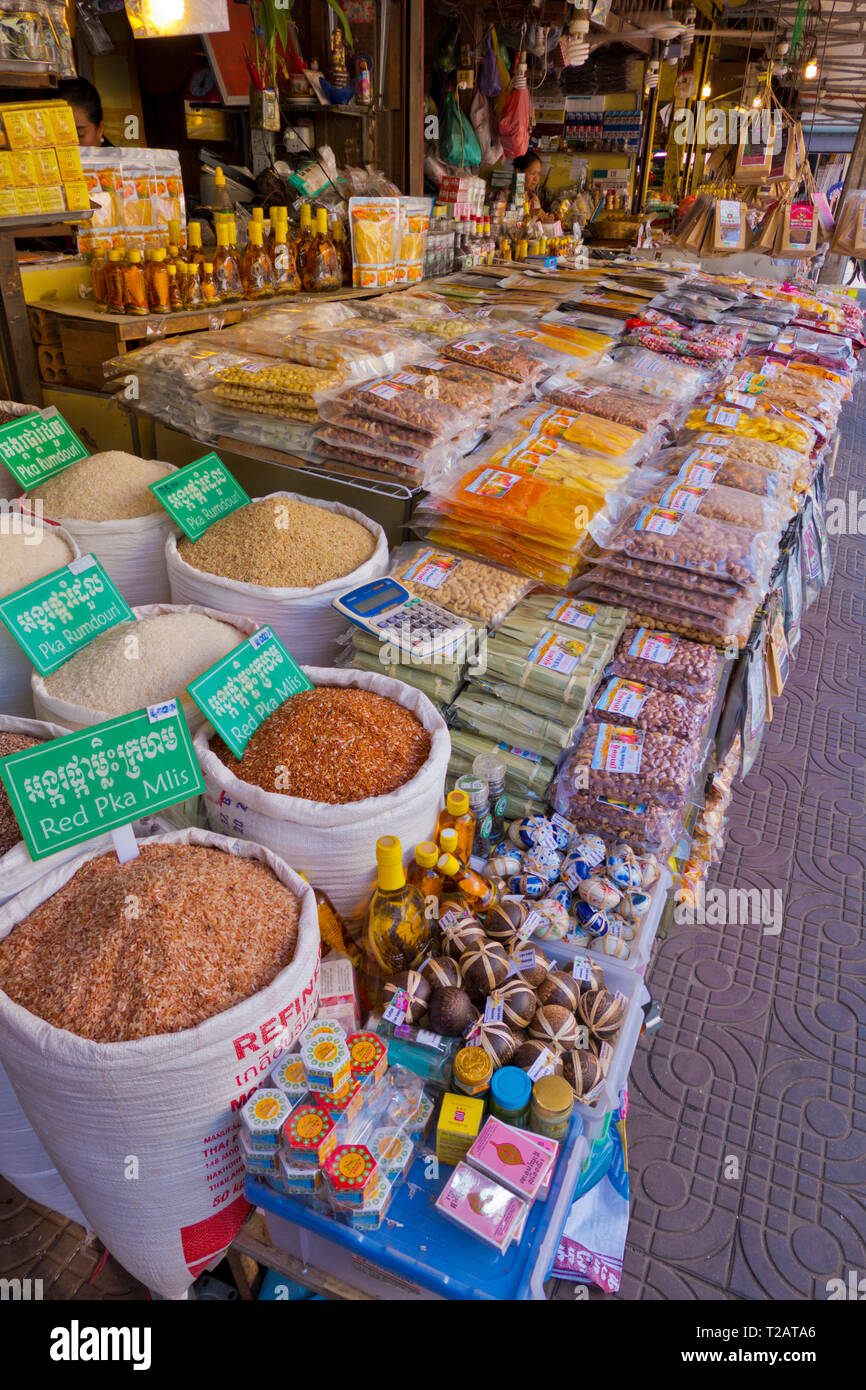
(143, 1128)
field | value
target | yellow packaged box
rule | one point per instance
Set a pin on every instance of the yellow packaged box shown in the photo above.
(49, 170)
(27, 127)
(25, 170)
(69, 163)
(51, 198)
(28, 200)
(8, 202)
(62, 125)
(5, 170)
(459, 1124)
(76, 196)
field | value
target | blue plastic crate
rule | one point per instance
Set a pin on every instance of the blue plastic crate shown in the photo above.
(417, 1244)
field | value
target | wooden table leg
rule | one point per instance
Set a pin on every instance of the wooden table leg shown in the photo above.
(16, 344)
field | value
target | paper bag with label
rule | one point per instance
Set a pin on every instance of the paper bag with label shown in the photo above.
(764, 236)
(785, 162)
(850, 236)
(798, 232)
(691, 232)
(754, 153)
(728, 230)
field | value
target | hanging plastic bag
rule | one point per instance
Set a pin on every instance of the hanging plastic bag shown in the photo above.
(482, 122)
(445, 52)
(489, 78)
(458, 144)
(517, 114)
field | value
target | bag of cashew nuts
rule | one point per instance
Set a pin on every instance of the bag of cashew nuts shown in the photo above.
(477, 590)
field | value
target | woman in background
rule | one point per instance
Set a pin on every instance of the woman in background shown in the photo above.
(530, 165)
(86, 105)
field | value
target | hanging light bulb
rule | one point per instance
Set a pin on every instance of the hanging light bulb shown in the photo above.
(652, 74)
(706, 91)
(575, 47)
(687, 37)
(810, 71)
(756, 101)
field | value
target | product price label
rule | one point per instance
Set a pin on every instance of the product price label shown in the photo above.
(605, 1056)
(544, 1065)
(494, 1009)
(582, 970)
(200, 494)
(728, 419)
(623, 697)
(697, 474)
(521, 753)
(653, 646)
(530, 924)
(741, 398)
(617, 749)
(38, 447)
(241, 690)
(573, 614)
(614, 926)
(557, 653)
(683, 497)
(398, 1008)
(74, 788)
(476, 349)
(493, 483)
(56, 616)
(431, 569)
(659, 521)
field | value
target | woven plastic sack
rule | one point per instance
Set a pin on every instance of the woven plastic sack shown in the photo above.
(132, 552)
(171, 1102)
(303, 619)
(74, 716)
(15, 668)
(334, 846)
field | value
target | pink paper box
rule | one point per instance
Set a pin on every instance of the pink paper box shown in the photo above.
(481, 1206)
(512, 1158)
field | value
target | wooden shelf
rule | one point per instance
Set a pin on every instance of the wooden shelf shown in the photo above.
(16, 74)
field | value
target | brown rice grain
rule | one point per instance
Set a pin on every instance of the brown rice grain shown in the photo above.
(10, 833)
(281, 543)
(154, 946)
(333, 744)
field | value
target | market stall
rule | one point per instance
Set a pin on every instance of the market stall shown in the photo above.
(373, 695)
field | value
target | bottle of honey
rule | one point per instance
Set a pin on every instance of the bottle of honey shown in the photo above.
(422, 872)
(210, 294)
(257, 273)
(286, 278)
(115, 282)
(195, 253)
(157, 282)
(99, 278)
(191, 291)
(319, 266)
(175, 298)
(305, 232)
(343, 251)
(225, 267)
(135, 285)
(458, 816)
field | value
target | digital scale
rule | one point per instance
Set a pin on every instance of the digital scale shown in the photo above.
(387, 609)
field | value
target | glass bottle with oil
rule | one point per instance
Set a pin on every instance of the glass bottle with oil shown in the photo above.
(225, 267)
(257, 273)
(458, 816)
(398, 931)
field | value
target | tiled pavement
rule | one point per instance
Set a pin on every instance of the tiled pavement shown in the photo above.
(760, 1067)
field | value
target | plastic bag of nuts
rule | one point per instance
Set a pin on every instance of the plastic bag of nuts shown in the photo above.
(667, 662)
(480, 592)
(647, 826)
(621, 701)
(690, 542)
(495, 354)
(389, 399)
(703, 468)
(618, 762)
(715, 502)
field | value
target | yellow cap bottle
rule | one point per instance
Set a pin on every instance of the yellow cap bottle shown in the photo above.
(322, 221)
(426, 854)
(174, 231)
(389, 860)
(448, 841)
(194, 234)
(254, 232)
(257, 215)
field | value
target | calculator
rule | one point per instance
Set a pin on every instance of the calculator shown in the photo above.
(387, 609)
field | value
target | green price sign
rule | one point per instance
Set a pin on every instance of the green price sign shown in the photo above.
(241, 690)
(198, 495)
(75, 788)
(56, 616)
(39, 446)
